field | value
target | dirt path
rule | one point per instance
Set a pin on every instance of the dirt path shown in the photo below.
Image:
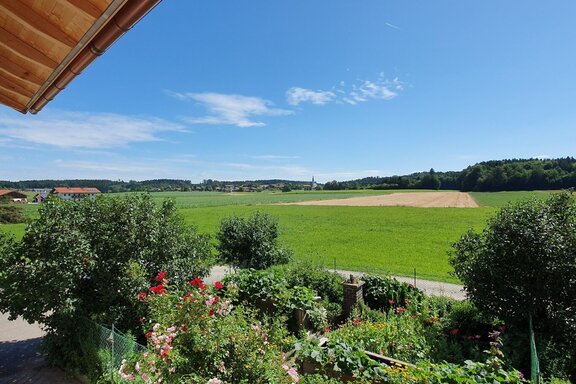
(408, 199)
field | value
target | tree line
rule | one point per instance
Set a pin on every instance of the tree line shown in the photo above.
(488, 176)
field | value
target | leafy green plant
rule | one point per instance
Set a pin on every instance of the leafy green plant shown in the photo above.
(251, 242)
(522, 265)
(90, 258)
(11, 215)
(196, 337)
(335, 357)
(386, 293)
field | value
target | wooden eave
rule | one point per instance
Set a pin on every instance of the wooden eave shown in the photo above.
(44, 44)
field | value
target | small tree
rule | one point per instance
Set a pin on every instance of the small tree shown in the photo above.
(251, 242)
(91, 258)
(524, 264)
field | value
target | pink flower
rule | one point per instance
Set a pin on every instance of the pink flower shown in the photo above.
(214, 381)
(454, 331)
(292, 373)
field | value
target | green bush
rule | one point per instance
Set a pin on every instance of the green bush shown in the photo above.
(522, 265)
(11, 215)
(90, 258)
(386, 293)
(251, 242)
(327, 284)
(194, 337)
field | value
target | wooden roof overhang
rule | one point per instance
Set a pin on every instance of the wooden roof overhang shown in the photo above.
(44, 44)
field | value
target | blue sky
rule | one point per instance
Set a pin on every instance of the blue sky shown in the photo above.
(334, 89)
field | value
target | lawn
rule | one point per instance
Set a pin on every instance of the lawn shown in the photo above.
(501, 199)
(373, 239)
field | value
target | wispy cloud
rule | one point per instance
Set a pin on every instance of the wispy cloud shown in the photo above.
(392, 26)
(274, 157)
(359, 92)
(83, 130)
(228, 109)
(297, 95)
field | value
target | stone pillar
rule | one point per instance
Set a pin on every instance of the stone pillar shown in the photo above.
(352, 294)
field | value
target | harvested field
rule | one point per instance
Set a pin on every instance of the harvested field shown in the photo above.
(406, 199)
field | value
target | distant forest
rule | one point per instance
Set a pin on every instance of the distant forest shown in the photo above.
(488, 176)
(495, 175)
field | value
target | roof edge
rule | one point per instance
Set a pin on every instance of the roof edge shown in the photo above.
(118, 18)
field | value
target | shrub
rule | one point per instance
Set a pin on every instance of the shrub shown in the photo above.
(90, 258)
(194, 337)
(251, 242)
(399, 336)
(11, 215)
(269, 291)
(327, 284)
(387, 293)
(522, 265)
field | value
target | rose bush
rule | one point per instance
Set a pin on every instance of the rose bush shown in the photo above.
(197, 336)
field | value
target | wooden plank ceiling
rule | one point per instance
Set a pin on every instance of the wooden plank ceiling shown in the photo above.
(44, 44)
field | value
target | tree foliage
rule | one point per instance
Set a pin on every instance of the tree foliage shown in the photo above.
(11, 215)
(90, 258)
(524, 263)
(251, 242)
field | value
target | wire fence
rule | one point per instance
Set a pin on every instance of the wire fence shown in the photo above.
(110, 344)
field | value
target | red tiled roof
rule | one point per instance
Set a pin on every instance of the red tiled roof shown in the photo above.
(75, 190)
(12, 192)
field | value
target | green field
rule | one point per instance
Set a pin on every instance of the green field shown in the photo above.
(372, 239)
(501, 199)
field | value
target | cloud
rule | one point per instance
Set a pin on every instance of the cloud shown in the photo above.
(227, 109)
(392, 26)
(359, 92)
(83, 130)
(273, 157)
(297, 95)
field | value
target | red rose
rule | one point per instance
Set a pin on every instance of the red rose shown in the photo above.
(218, 285)
(160, 276)
(197, 282)
(454, 331)
(142, 296)
(159, 289)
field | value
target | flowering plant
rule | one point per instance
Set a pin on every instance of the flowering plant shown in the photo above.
(197, 336)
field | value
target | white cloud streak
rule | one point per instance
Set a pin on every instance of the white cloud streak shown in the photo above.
(359, 92)
(83, 130)
(297, 95)
(225, 109)
(274, 157)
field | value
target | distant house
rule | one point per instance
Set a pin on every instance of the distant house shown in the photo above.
(40, 197)
(75, 193)
(13, 196)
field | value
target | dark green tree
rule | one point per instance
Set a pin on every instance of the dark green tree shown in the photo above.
(524, 264)
(251, 242)
(91, 258)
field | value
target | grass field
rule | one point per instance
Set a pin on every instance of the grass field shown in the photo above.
(501, 199)
(373, 239)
